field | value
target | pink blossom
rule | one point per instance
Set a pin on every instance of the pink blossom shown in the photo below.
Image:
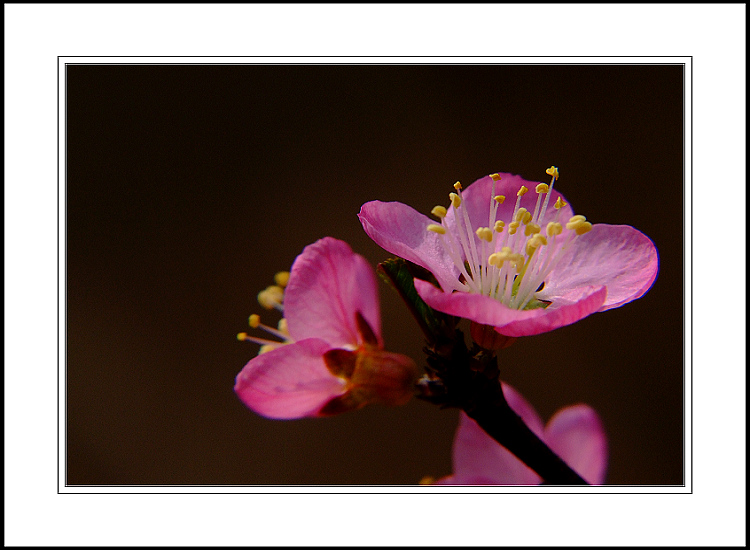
(331, 356)
(574, 433)
(510, 254)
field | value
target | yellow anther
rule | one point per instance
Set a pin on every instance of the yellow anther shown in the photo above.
(575, 222)
(496, 177)
(554, 228)
(559, 203)
(282, 278)
(435, 228)
(535, 242)
(539, 238)
(271, 297)
(499, 225)
(542, 188)
(457, 186)
(512, 227)
(276, 290)
(522, 191)
(495, 259)
(500, 199)
(439, 212)
(532, 229)
(485, 233)
(553, 171)
(521, 214)
(585, 227)
(427, 480)
(254, 320)
(526, 218)
(282, 326)
(455, 200)
(266, 300)
(241, 336)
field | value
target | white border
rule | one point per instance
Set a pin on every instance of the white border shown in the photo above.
(36, 34)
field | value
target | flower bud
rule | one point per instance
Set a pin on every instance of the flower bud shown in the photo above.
(373, 376)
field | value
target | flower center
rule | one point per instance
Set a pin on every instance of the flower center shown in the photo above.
(509, 259)
(272, 297)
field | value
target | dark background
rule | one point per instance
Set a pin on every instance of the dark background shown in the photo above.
(189, 186)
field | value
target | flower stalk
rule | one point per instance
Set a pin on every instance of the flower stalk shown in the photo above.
(469, 380)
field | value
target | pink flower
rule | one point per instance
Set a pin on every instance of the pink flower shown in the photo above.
(515, 260)
(574, 433)
(331, 356)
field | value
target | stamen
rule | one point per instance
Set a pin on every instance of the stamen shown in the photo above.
(575, 222)
(541, 189)
(585, 227)
(535, 242)
(272, 298)
(552, 171)
(281, 278)
(513, 267)
(243, 336)
(554, 228)
(485, 233)
(520, 215)
(467, 239)
(254, 322)
(439, 212)
(532, 229)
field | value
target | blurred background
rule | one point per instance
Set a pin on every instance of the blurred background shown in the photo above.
(189, 186)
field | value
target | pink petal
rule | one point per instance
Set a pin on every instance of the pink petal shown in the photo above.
(524, 409)
(402, 231)
(577, 436)
(328, 285)
(617, 256)
(567, 309)
(476, 307)
(289, 382)
(574, 433)
(476, 456)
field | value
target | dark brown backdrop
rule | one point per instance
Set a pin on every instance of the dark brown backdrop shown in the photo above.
(188, 187)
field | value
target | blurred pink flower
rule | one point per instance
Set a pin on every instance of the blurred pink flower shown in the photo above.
(331, 358)
(574, 433)
(525, 265)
